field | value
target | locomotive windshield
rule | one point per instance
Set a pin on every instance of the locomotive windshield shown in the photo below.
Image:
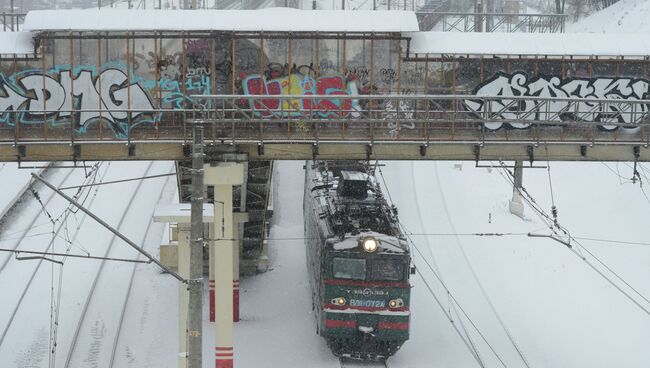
(387, 269)
(349, 268)
(380, 269)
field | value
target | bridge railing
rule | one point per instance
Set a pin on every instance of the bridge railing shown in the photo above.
(344, 118)
(493, 22)
(12, 22)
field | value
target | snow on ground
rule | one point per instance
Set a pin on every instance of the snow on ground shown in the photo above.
(277, 328)
(13, 181)
(558, 311)
(626, 16)
(28, 284)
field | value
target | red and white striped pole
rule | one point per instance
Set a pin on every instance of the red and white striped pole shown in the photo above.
(223, 271)
(235, 278)
(223, 175)
(235, 300)
(211, 274)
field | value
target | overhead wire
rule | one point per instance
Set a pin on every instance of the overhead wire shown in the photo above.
(55, 304)
(450, 295)
(478, 281)
(466, 338)
(554, 226)
(585, 249)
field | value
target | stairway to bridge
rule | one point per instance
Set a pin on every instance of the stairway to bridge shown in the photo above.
(252, 198)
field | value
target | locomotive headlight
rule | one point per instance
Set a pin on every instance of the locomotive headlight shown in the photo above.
(338, 301)
(369, 244)
(396, 303)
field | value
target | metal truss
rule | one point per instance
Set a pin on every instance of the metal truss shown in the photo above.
(12, 22)
(494, 22)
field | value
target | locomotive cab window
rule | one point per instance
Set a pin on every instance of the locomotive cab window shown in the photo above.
(387, 269)
(349, 268)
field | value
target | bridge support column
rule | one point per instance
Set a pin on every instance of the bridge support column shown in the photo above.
(183, 292)
(223, 176)
(239, 219)
(211, 273)
(517, 203)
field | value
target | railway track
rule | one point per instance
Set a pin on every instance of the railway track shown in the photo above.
(351, 363)
(143, 242)
(33, 274)
(22, 193)
(92, 356)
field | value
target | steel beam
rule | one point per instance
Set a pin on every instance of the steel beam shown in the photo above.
(461, 150)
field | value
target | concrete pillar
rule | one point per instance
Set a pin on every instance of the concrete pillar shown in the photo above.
(239, 220)
(223, 176)
(235, 275)
(183, 292)
(223, 269)
(211, 272)
(517, 203)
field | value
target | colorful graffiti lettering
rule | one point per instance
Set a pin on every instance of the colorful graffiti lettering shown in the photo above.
(58, 92)
(298, 84)
(518, 84)
(82, 96)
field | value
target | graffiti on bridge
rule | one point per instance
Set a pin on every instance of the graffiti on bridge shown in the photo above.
(602, 88)
(305, 85)
(83, 96)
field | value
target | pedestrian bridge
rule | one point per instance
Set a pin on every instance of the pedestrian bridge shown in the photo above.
(79, 85)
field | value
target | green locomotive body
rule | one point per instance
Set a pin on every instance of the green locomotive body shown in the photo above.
(358, 260)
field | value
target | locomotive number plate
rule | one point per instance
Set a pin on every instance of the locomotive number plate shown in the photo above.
(367, 303)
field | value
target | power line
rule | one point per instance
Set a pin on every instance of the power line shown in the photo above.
(55, 254)
(610, 241)
(554, 226)
(450, 295)
(116, 181)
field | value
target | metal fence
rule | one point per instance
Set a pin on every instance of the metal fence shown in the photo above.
(493, 22)
(363, 118)
(12, 22)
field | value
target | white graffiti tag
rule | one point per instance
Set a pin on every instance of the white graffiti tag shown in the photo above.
(519, 114)
(108, 96)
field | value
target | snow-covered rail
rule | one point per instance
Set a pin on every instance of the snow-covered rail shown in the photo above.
(75, 356)
(33, 274)
(22, 192)
(351, 363)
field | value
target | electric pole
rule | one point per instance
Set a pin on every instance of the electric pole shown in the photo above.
(195, 285)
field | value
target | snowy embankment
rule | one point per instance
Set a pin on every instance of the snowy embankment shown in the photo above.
(625, 16)
(14, 182)
(79, 306)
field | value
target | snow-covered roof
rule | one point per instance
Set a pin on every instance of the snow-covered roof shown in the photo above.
(16, 43)
(532, 44)
(270, 20)
(180, 213)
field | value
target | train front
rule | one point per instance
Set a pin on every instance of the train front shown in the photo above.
(366, 294)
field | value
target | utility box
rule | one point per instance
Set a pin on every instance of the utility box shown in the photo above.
(169, 256)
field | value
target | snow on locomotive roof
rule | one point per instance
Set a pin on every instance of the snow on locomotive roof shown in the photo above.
(270, 20)
(16, 43)
(529, 44)
(354, 175)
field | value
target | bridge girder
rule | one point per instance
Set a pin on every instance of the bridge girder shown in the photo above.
(357, 150)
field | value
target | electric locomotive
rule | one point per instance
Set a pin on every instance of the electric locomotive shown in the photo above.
(358, 259)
